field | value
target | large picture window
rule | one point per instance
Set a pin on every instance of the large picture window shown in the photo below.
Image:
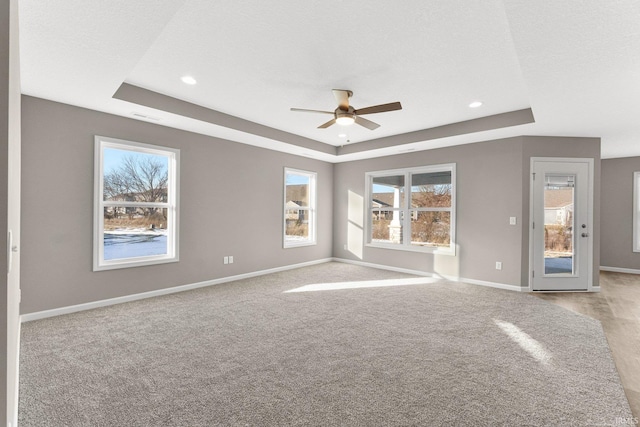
(412, 209)
(136, 204)
(299, 208)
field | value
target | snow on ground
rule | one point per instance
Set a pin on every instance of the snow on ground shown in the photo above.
(138, 231)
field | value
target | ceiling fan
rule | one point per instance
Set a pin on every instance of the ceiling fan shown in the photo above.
(345, 114)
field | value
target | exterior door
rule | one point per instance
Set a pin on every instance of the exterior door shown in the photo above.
(561, 226)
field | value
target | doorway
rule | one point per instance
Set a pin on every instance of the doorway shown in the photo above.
(561, 249)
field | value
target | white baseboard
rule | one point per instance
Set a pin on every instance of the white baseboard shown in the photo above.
(384, 267)
(127, 298)
(427, 274)
(619, 270)
(134, 297)
(497, 285)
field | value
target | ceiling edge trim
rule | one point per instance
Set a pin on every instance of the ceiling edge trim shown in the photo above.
(140, 96)
(497, 121)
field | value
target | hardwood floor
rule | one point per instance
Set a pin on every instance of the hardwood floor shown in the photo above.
(617, 306)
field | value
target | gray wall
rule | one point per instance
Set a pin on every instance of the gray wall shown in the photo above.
(489, 184)
(492, 185)
(617, 213)
(230, 204)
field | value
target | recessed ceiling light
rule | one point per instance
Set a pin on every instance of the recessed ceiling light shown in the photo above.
(475, 104)
(342, 135)
(189, 80)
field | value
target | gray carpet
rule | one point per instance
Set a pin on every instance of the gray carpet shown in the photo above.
(250, 354)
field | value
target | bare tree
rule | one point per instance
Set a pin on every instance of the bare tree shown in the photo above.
(437, 195)
(432, 226)
(138, 179)
(141, 179)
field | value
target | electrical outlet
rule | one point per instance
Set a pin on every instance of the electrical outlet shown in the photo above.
(230, 259)
(512, 220)
(498, 265)
(345, 247)
(225, 260)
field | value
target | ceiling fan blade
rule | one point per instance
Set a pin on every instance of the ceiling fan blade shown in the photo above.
(326, 125)
(367, 123)
(393, 106)
(304, 110)
(342, 96)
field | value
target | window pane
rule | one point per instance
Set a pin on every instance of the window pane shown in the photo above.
(431, 190)
(297, 190)
(132, 176)
(297, 226)
(386, 226)
(131, 232)
(388, 192)
(430, 228)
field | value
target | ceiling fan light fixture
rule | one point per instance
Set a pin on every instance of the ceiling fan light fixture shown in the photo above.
(475, 104)
(346, 115)
(345, 119)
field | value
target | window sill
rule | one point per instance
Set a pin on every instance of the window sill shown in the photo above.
(289, 245)
(413, 248)
(140, 262)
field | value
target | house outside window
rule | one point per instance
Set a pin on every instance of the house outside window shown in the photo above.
(299, 208)
(136, 204)
(412, 209)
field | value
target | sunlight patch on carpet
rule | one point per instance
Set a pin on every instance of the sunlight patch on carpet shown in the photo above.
(364, 284)
(528, 344)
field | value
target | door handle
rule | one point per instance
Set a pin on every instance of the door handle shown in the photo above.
(585, 234)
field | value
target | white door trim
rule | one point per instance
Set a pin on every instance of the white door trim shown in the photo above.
(590, 198)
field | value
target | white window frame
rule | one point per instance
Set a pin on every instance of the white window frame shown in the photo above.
(312, 240)
(636, 212)
(99, 263)
(406, 209)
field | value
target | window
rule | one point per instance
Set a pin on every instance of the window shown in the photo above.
(636, 212)
(136, 209)
(299, 208)
(412, 209)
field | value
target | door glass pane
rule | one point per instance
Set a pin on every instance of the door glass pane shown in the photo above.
(559, 257)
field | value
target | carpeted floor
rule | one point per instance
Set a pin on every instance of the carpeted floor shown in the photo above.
(366, 353)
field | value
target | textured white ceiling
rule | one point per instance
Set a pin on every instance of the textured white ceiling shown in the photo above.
(576, 64)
